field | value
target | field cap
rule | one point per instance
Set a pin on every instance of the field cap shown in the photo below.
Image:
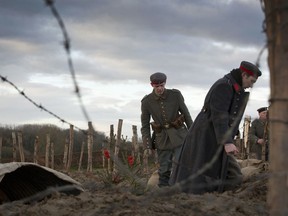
(262, 109)
(158, 78)
(250, 68)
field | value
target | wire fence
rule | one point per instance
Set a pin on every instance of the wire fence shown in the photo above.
(67, 47)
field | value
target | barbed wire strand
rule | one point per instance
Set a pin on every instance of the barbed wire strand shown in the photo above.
(158, 193)
(41, 107)
(257, 63)
(173, 189)
(67, 47)
(50, 3)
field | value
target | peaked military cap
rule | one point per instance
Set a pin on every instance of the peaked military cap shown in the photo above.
(262, 109)
(158, 78)
(250, 68)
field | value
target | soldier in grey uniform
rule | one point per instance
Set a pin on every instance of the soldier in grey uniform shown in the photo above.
(256, 134)
(207, 161)
(169, 114)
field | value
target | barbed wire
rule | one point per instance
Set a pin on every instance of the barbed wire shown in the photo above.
(257, 63)
(40, 106)
(67, 47)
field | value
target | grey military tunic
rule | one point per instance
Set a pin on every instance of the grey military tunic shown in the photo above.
(256, 132)
(163, 110)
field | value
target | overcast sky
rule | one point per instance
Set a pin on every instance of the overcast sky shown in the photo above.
(115, 46)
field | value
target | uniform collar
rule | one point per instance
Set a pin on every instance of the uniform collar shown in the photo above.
(235, 85)
(163, 96)
(262, 120)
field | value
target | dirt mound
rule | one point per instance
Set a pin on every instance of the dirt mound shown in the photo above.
(102, 199)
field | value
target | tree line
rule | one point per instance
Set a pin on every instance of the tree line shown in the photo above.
(58, 136)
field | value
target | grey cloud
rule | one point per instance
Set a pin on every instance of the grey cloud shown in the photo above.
(208, 19)
(114, 41)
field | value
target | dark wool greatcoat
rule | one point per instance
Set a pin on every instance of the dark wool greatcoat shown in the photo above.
(164, 109)
(222, 111)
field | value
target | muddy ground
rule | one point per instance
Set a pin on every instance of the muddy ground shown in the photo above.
(128, 198)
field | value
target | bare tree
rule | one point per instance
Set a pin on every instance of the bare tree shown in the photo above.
(276, 14)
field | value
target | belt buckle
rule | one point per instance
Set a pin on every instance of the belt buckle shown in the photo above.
(167, 126)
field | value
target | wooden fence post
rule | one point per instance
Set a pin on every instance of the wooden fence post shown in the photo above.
(36, 149)
(47, 150)
(117, 145)
(14, 141)
(90, 147)
(52, 155)
(246, 143)
(1, 139)
(20, 146)
(70, 148)
(65, 156)
(81, 155)
(104, 146)
(145, 160)
(110, 144)
(135, 145)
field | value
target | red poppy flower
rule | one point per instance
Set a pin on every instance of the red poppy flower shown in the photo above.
(130, 160)
(106, 153)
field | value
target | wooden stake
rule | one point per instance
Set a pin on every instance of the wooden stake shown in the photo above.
(90, 147)
(81, 156)
(47, 151)
(117, 145)
(14, 141)
(36, 149)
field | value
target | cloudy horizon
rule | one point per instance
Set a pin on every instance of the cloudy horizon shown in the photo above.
(115, 47)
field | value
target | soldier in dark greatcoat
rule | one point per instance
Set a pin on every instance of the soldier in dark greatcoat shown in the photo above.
(207, 160)
(256, 134)
(171, 119)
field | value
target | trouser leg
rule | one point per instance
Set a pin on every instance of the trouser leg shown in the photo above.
(176, 156)
(259, 152)
(165, 164)
(175, 159)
